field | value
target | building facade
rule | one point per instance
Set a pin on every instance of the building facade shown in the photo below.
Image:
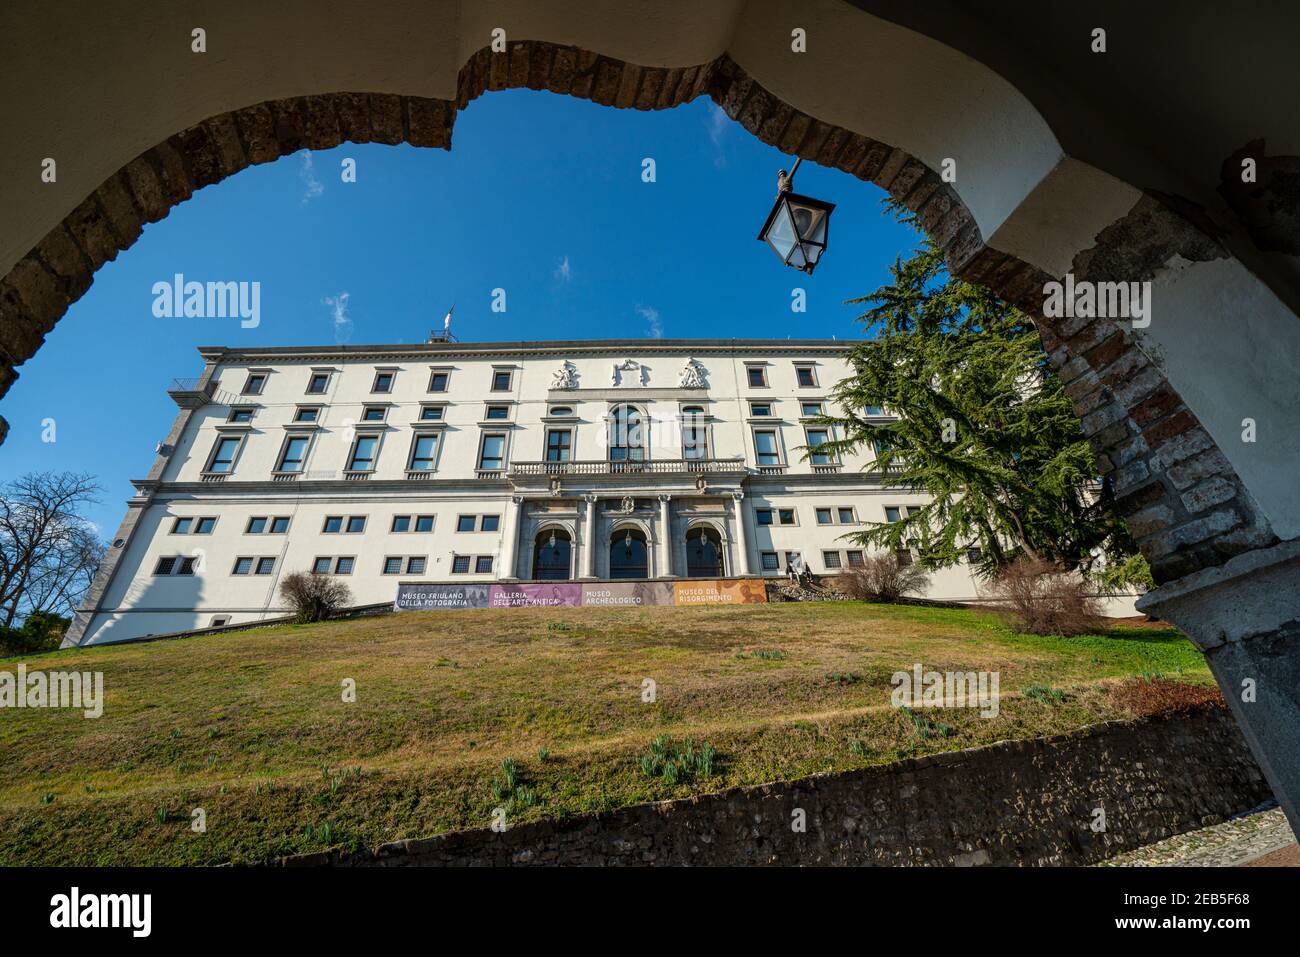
(487, 462)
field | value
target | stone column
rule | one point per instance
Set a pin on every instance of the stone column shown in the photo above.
(1244, 615)
(666, 536)
(742, 536)
(510, 544)
(589, 536)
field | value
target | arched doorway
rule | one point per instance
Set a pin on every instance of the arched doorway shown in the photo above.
(552, 555)
(629, 556)
(703, 553)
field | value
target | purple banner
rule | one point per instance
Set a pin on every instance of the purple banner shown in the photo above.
(623, 594)
(536, 596)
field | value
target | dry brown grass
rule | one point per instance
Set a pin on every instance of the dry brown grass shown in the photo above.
(252, 726)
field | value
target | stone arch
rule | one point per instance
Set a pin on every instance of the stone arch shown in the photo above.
(559, 527)
(1036, 214)
(643, 543)
(1186, 504)
(719, 529)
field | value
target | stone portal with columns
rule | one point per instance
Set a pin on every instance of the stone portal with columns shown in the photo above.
(592, 518)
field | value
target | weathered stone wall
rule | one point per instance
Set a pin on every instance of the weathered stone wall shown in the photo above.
(1013, 803)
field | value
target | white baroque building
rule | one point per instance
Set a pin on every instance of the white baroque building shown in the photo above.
(585, 460)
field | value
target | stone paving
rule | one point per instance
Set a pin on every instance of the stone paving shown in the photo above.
(1254, 836)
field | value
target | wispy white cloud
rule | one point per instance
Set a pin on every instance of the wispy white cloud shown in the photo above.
(653, 326)
(312, 187)
(563, 271)
(717, 125)
(342, 321)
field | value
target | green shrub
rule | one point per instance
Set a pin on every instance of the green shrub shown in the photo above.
(678, 764)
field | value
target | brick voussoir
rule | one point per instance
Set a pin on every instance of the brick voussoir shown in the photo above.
(322, 123)
(256, 125)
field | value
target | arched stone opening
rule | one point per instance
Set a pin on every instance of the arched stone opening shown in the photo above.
(629, 553)
(704, 552)
(1211, 512)
(553, 555)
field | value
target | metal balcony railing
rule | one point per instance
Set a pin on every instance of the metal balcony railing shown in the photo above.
(192, 393)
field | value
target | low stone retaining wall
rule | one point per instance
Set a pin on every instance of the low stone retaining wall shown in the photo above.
(1015, 802)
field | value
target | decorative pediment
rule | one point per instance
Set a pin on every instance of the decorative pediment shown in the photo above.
(565, 377)
(629, 372)
(694, 375)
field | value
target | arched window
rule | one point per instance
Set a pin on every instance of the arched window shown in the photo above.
(552, 555)
(628, 555)
(703, 553)
(695, 434)
(626, 434)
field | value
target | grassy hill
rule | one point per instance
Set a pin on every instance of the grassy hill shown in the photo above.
(252, 727)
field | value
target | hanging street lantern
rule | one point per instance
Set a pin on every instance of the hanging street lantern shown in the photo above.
(798, 227)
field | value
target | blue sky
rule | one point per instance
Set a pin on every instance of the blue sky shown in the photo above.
(541, 196)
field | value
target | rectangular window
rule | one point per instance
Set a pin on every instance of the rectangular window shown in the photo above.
(823, 516)
(466, 523)
(694, 434)
(492, 456)
(806, 377)
(256, 526)
(489, 523)
(431, 413)
(356, 524)
(294, 455)
(182, 526)
(904, 556)
(760, 410)
(318, 383)
(374, 413)
(810, 408)
(893, 513)
(265, 566)
(186, 567)
(786, 515)
(763, 516)
(204, 526)
(401, 523)
(424, 523)
(392, 565)
(498, 412)
(383, 382)
(974, 555)
(818, 437)
(875, 410)
(757, 377)
(500, 381)
(223, 455)
(483, 564)
(364, 450)
(460, 565)
(333, 523)
(438, 381)
(846, 516)
(240, 413)
(831, 559)
(255, 383)
(343, 566)
(243, 566)
(165, 565)
(559, 445)
(321, 566)
(855, 558)
(766, 447)
(279, 524)
(793, 560)
(424, 451)
(415, 566)
(771, 562)
(306, 413)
